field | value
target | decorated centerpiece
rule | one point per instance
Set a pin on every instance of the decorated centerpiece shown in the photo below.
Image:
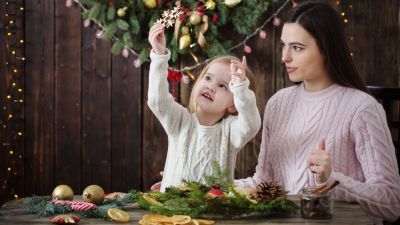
(218, 198)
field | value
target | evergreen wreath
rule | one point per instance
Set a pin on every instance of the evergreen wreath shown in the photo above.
(197, 31)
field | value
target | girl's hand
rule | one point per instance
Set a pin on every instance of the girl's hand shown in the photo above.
(320, 162)
(238, 74)
(157, 38)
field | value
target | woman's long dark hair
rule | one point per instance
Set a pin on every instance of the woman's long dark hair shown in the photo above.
(325, 25)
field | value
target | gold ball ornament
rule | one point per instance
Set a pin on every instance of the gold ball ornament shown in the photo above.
(151, 4)
(63, 192)
(195, 18)
(184, 30)
(93, 194)
(210, 4)
(121, 12)
(232, 3)
(184, 41)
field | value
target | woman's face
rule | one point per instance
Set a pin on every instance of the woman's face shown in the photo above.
(302, 57)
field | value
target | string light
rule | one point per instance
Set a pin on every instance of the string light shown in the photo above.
(13, 125)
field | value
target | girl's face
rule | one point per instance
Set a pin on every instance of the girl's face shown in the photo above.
(212, 94)
(302, 57)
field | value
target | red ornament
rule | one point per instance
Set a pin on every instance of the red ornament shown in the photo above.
(214, 19)
(174, 77)
(214, 193)
(110, 4)
(200, 8)
(168, 4)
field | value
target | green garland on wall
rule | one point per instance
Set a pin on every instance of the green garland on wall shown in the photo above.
(127, 23)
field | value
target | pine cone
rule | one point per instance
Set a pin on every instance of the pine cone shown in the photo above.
(267, 191)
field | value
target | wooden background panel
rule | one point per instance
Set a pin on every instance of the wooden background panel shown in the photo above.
(126, 148)
(67, 77)
(3, 92)
(39, 97)
(96, 112)
(86, 114)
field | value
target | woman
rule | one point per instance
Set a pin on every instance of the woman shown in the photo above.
(327, 127)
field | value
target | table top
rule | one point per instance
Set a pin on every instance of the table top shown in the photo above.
(344, 213)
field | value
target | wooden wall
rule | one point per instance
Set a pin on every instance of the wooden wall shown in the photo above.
(86, 119)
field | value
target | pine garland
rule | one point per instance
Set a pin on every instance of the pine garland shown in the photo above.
(42, 206)
(130, 29)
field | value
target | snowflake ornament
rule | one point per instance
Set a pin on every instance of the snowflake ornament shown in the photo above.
(169, 17)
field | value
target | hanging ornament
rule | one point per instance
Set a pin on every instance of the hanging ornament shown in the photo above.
(68, 3)
(99, 34)
(263, 34)
(86, 23)
(210, 5)
(125, 53)
(195, 18)
(137, 63)
(184, 30)
(63, 192)
(247, 49)
(184, 41)
(276, 21)
(232, 3)
(151, 4)
(93, 194)
(67, 218)
(121, 12)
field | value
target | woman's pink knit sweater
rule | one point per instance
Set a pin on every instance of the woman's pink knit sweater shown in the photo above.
(356, 134)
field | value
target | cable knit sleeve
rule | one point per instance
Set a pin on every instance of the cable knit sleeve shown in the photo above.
(263, 169)
(247, 123)
(170, 114)
(380, 193)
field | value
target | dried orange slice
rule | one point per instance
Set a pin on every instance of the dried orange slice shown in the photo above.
(118, 215)
(151, 200)
(203, 222)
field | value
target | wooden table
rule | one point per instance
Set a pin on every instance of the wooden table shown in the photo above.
(344, 214)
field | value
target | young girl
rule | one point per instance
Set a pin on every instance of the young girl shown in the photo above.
(221, 119)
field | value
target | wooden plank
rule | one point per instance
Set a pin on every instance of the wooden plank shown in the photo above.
(385, 25)
(360, 37)
(39, 98)
(126, 117)
(96, 111)
(154, 141)
(67, 96)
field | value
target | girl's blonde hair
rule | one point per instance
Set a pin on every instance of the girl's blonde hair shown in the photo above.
(222, 59)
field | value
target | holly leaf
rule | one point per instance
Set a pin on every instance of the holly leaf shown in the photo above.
(122, 24)
(110, 30)
(94, 11)
(111, 13)
(117, 47)
(135, 25)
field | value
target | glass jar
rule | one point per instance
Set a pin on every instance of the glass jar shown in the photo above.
(316, 206)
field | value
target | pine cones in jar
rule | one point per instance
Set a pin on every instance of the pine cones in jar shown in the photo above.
(267, 191)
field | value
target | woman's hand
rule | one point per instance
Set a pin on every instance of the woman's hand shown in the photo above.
(157, 38)
(320, 162)
(238, 74)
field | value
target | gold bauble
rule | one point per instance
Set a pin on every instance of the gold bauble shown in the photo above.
(93, 194)
(151, 4)
(232, 3)
(195, 18)
(210, 4)
(63, 192)
(184, 41)
(184, 30)
(122, 11)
